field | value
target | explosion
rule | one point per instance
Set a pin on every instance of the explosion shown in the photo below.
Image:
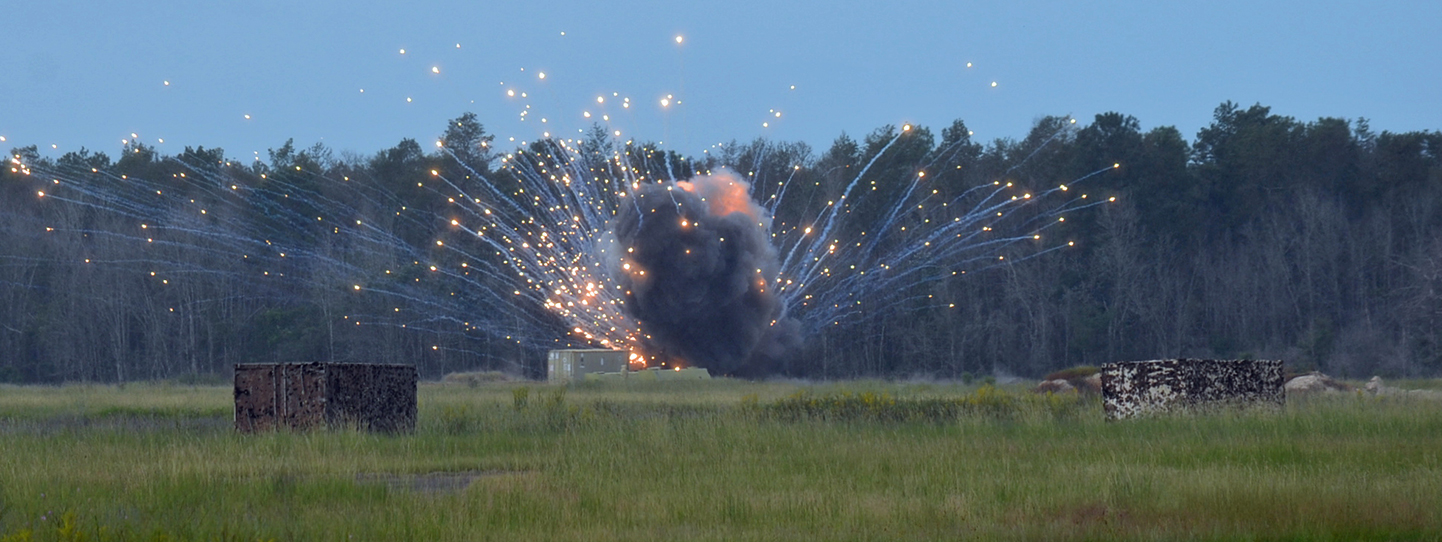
(695, 260)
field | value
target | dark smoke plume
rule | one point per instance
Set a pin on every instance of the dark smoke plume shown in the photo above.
(696, 261)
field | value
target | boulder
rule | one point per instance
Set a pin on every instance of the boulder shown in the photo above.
(1374, 386)
(1054, 386)
(1092, 383)
(1081, 378)
(1315, 382)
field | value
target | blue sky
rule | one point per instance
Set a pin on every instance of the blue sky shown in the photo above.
(91, 73)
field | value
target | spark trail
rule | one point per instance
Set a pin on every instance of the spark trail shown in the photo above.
(599, 240)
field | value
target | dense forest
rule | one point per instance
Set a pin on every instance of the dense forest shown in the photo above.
(1262, 237)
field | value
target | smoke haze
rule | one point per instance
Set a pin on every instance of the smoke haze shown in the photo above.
(696, 260)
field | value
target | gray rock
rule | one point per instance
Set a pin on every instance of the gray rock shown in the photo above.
(1374, 385)
(1054, 386)
(1315, 382)
(1093, 383)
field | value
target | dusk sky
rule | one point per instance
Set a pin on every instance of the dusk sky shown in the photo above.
(189, 73)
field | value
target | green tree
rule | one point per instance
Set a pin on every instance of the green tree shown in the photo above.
(83, 161)
(1242, 158)
(467, 140)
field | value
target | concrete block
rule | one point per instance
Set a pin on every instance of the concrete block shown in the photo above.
(1138, 388)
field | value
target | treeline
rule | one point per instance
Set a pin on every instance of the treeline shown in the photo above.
(151, 266)
(1263, 237)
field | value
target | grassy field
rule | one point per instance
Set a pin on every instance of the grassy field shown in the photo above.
(718, 460)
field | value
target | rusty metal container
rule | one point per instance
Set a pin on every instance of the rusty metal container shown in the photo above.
(302, 396)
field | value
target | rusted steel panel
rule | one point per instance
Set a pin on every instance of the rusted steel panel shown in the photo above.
(373, 397)
(255, 396)
(305, 395)
(1137, 388)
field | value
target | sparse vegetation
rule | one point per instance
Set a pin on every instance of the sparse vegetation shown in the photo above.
(717, 460)
(476, 378)
(985, 402)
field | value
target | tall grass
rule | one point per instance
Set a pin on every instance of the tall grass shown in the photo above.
(720, 460)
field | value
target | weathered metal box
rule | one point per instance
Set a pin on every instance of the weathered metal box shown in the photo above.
(1137, 388)
(305, 395)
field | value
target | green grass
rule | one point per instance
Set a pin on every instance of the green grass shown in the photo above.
(719, 460)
